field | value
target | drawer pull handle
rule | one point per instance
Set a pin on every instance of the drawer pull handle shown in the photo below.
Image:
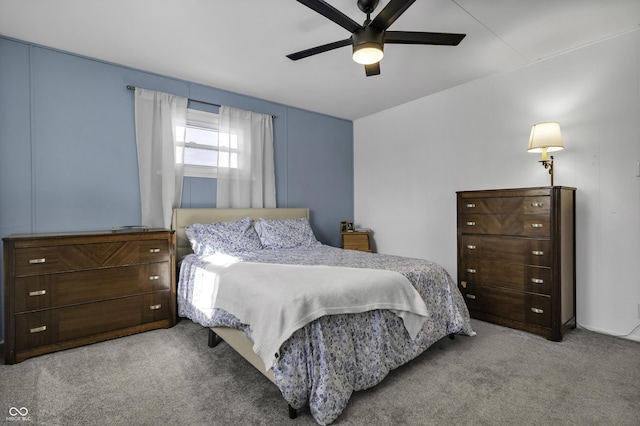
(38, 329)
(537, 311)
(41, 260)
(154, 277)
(154, 250)
(155, 307)
(471, 270)
(537, 281)
(471, 247)
(536, 225)
(537, 204)
(471, 205)
(537, 253)
(38, 293)
(471, 296)
(471, 224)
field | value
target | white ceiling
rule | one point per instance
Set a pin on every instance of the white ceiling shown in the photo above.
(240, 45)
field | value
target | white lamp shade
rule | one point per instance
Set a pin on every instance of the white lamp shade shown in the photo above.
(545, 137)
(367, 53)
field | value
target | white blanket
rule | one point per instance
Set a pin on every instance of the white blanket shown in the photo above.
(275, 300)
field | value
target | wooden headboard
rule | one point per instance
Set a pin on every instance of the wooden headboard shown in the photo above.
(185, 217)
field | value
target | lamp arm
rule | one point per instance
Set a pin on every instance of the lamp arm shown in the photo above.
(548, 164)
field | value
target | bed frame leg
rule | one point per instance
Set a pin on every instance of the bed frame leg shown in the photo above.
(214, 339)
(452, 336)
(293, 413)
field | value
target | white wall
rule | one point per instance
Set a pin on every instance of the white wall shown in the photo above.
(411, 160)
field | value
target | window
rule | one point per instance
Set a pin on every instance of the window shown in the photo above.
(200, 143)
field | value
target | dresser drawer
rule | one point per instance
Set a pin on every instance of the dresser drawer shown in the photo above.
(69, 288)
(58, 325)
(515, 276)
(530, 225)
(62, 258)
(152, 250)
(511, 205)
(528, 251)
(356, 241)
(48, 327)
(156, 306)
(509, 304)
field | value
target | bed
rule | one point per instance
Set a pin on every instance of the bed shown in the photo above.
(321, 362)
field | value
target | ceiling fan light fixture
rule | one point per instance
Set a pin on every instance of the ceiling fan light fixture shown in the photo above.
(368, 45)
(369, 38)
(367, 53)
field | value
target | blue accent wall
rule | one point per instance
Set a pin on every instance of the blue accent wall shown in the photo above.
(68, 154)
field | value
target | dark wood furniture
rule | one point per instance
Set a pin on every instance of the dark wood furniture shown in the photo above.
(356, 240)
(67, 290)
(516, 257)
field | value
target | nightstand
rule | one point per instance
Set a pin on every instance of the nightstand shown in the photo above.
(356, 240)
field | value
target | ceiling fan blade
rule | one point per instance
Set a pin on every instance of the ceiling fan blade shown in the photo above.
(372, 69)
(319, 49)
(390, 13)
(333, 14)
(417, 37)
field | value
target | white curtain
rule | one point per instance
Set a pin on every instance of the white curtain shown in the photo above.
(246, 174)
(160, 164)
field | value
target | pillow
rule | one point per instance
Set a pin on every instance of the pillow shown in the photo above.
(223, 237)
(286, 233)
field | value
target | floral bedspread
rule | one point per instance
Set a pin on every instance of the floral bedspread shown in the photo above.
(323, 363)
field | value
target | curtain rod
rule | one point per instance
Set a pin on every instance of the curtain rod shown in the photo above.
(129, 87)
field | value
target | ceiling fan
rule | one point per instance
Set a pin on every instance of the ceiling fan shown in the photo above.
(369, 38)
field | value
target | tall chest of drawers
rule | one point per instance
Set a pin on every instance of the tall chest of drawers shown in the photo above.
(67, 290)
(516, 257)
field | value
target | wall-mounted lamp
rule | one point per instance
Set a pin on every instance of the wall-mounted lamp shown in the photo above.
(546, 137)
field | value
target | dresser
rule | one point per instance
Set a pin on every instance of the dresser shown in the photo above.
(516, 257)
(67, 290)
(356, 240)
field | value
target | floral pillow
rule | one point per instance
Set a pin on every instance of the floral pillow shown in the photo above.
(223, 237)
(286, 233)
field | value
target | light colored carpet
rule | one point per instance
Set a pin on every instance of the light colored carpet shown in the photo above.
(499, 377)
